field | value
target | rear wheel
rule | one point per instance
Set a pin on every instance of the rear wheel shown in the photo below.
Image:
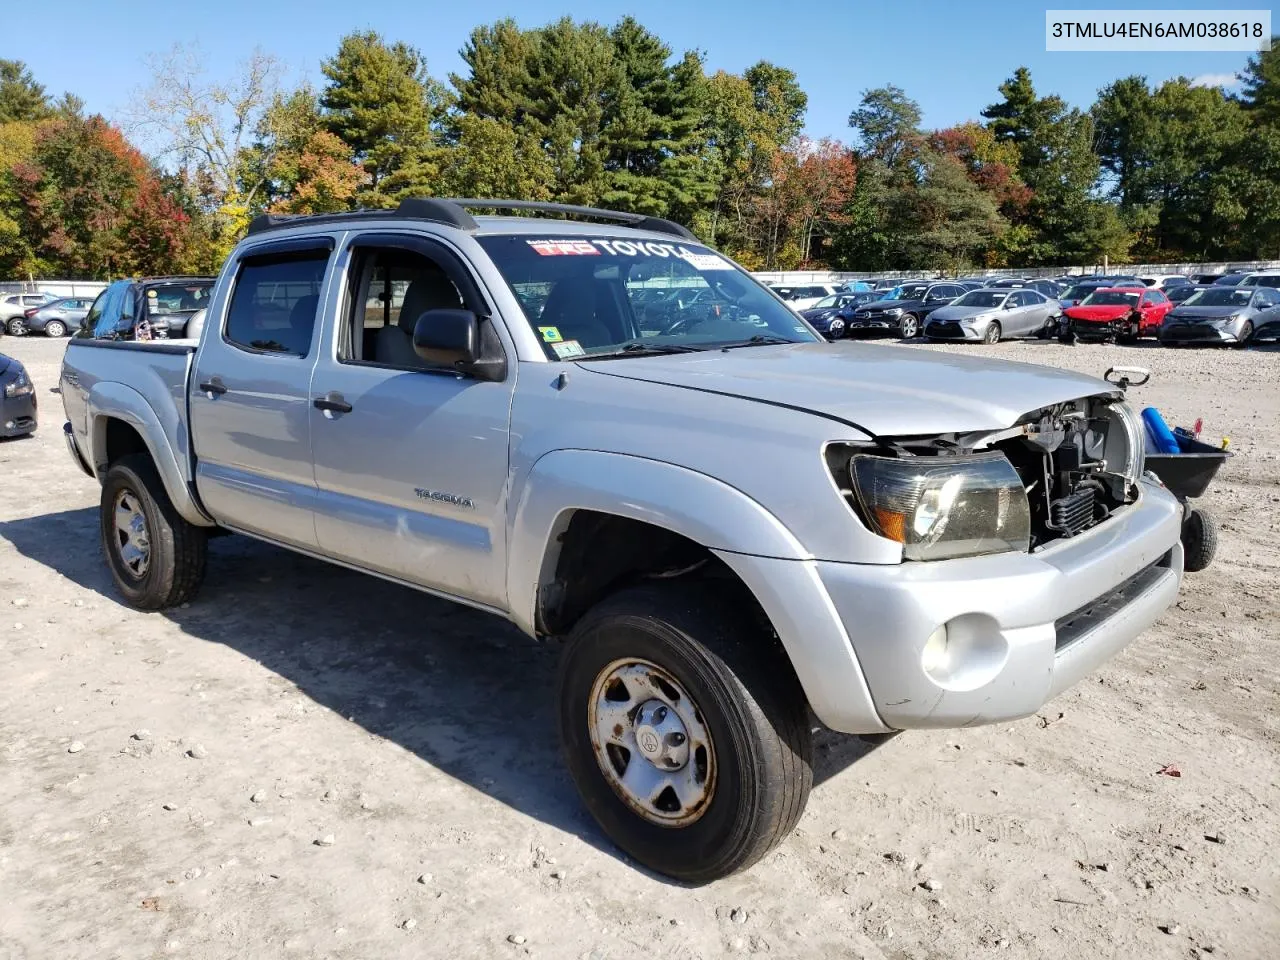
(55, 328)
(993, 333)
(684, 729)
(17, 327)
(908, 326)
(156, 557)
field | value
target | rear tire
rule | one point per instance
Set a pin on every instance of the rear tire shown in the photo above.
(1199, 540)
(55, 329)
(740, 699)
(17, 327)
(157, 558)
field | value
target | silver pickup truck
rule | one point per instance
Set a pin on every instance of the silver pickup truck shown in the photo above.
(735, 526)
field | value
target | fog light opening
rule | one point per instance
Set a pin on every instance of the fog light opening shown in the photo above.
(965, 653)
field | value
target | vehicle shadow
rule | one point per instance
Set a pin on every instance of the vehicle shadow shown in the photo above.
(463, 690)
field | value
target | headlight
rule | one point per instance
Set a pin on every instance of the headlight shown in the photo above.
(939, 508)
(1223, 321)
(19, 388)
(895, 312)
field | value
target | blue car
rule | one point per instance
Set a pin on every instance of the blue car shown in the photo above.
(17, 399)
(830, 315)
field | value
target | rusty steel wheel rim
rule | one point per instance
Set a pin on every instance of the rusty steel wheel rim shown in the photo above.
(651, 742)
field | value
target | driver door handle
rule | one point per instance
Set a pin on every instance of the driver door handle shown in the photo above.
(214, 385)
(332, 402)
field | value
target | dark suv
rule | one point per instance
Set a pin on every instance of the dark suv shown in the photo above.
(153, 308)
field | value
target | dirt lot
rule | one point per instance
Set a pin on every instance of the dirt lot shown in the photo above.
(419, 736)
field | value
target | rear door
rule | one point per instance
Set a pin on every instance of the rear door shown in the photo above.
(410, 458)
(250, 392)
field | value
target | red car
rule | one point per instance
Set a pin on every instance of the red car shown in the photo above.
(1122, 314)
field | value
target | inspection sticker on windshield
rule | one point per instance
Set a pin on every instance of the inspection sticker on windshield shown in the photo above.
(706, 261)
(550, 334)
(568, 349)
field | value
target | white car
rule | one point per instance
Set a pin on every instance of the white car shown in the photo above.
(1162, 281)
(803, 296)
(15, 305)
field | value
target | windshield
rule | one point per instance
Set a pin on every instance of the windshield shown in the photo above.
(1221, 297)
(1103, 298)
(833, 301)
(981, 298)
(1261, 280)
(583, 296)
(1079, 291)
(178, 297)
(1230, 280)
(909, 291)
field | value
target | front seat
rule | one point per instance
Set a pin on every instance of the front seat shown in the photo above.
(429, 291)
(572, 308)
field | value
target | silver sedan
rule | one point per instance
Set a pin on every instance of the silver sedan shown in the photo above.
(988, 315)
(1234, 315)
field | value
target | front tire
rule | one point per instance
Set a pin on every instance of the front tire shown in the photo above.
(156, 557)
(1199, 540)
(992, 334)
(684, 729)
(909, 326)
(1246, 334)
(55, 329)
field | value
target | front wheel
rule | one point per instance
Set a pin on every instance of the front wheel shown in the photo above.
(1199, 540)
(684, 729)
(1246, 334)
(909, 326)
(17, 327)
(993, 333)
(55, 329)
(156, 557)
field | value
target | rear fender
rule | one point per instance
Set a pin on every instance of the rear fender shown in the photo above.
(110, 400)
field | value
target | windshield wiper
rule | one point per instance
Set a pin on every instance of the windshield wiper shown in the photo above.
(638, 349)
(759, 340)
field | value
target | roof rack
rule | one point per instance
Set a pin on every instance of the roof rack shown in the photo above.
(454, 213)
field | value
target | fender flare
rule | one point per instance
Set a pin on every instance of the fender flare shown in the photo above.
(110, 400)
(706, 510)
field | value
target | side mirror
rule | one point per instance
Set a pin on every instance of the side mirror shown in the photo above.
(447, 338)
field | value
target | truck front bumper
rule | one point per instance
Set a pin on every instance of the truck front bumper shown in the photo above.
(979, 640)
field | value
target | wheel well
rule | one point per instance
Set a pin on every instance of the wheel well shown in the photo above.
(601, 552)
(122, 440)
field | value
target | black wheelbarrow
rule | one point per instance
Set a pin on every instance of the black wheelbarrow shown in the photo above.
(1187, 475)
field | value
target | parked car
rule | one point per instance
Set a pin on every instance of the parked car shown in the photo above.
(13, 309)
(1165, 281)
(1204, 279)
(1234, 315)
(990, 314)
(1182, 291)
(1261, 280)
(830, 315)
(888, 283)
(903, 310)
(58, 318)
(1075, 294)
(17, 399)
(736, 527)
(806, 295)
(855, 286)
(152, 308)
(1122, 314)
(1229, 279)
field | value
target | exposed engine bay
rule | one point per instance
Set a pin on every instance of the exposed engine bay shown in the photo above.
(1079, 461)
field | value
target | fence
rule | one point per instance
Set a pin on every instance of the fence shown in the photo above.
(59, 288)
(839, 276)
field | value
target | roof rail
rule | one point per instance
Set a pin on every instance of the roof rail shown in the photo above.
(454, 213)
(638, 220)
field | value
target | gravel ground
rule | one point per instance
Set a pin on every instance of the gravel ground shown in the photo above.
(309, 762)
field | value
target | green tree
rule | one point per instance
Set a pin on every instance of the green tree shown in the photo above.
(21, 98)
(887, 123)
(1261, 86)
(382, 103)
(1124, 124)
(953, 219)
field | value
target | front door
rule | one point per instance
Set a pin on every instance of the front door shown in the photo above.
(410, 459)
(250, 393)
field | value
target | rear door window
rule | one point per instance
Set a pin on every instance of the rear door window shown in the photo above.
(274, 305)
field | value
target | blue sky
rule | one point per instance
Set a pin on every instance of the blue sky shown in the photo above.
(949, 56)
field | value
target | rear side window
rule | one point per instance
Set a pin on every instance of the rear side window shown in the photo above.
(275, 301)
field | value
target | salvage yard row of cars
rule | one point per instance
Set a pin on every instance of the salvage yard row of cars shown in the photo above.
(1231, 308)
